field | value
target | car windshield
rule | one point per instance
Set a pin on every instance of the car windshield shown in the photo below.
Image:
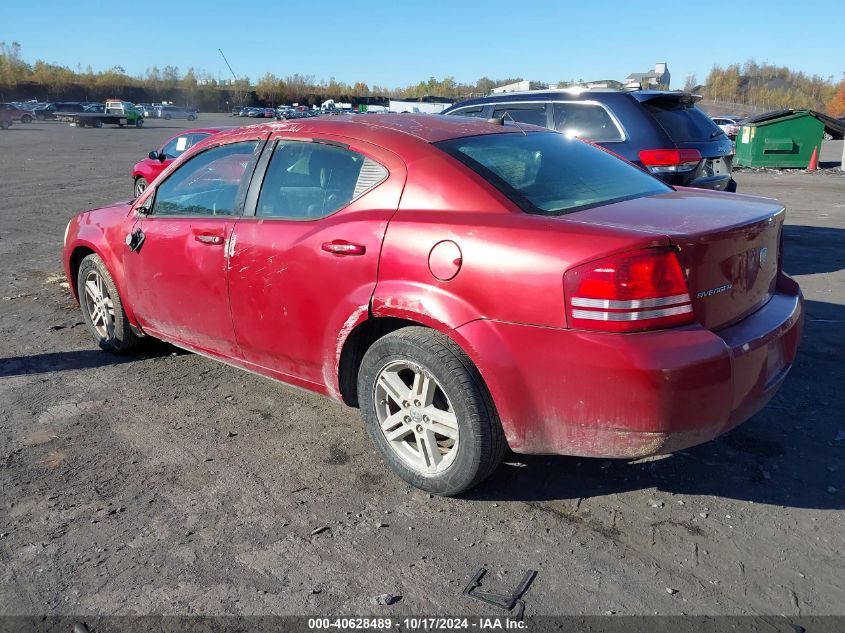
(682, 122)
(550, 174)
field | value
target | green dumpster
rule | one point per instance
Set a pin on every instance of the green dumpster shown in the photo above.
(786, 138)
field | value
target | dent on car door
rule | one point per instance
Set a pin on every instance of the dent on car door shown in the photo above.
(305, 254)
(176, 270)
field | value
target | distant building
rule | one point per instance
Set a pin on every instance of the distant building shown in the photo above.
(520, 86)
(206, 82)
(656, 79)
(423, 105)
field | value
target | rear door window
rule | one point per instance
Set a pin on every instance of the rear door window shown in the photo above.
(311, 180)
(682, 122)
(586, 120)
(535, 113)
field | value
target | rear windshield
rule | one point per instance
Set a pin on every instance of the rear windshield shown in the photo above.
(550, 174)
(682, 122)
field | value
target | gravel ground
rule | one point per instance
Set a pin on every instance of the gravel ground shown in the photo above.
(171, 484)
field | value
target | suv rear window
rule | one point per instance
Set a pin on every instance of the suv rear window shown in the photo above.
(682, 122)
(550, 174)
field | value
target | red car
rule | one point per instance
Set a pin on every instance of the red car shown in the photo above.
(144, 172)
(468, 286)
(14, 113)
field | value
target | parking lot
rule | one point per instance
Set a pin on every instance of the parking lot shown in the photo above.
(167, 483)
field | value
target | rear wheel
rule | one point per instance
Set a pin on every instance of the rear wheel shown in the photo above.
(102, 308)
(428, 412)
(140, 185)
(191, 117)
(166, 117)
(98, 123)
(139, 122)
(26, 119)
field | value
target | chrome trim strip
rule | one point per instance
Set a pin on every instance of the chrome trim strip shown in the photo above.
(583, 302)
(630, 316)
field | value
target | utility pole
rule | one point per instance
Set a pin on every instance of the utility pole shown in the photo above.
(237, 85)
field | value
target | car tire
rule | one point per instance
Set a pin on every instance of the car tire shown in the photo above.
(444, 437)
(731, 188)
(139, 122)
(4, 125)
(166, 117)
(98, 123)
(26, 119)
(191, 117)
(102, 308)
(140, 185)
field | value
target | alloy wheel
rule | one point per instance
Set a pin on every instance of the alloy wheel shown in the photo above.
(416, 417)
(99, 305)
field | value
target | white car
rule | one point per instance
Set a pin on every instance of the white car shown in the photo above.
(728, 126)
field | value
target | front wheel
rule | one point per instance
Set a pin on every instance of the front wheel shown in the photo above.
(428, 412)
(140, 185)
(139, 122)
(191, 117)
(4, 125)
(102, 308)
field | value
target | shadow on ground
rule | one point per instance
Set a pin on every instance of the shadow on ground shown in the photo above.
(79, 359)
(810, 250)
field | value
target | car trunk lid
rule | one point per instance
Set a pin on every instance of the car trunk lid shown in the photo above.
(728, 245)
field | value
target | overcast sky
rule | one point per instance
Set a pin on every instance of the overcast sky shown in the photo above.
(398, 42)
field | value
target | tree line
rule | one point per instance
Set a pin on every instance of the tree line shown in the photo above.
(768, 87)
(761, 86)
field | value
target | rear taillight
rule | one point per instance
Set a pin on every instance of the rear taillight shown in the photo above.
(662, 161)
(642, 290)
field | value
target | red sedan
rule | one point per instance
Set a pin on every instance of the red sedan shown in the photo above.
(468, 286)
(144, 172)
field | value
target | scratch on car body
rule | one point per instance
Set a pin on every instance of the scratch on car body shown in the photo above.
(331, 365)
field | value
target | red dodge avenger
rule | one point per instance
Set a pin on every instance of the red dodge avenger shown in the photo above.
(468, 286)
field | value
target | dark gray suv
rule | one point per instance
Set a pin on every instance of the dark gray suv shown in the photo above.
(660, 131)
(175, 112)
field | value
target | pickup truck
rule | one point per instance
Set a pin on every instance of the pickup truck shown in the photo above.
(120, 113)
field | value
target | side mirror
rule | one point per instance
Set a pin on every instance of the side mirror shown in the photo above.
(153, 155)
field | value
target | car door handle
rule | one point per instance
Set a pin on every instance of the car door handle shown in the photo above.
(342, 247)
(208, 238)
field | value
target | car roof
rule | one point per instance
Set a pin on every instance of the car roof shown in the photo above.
(578, 94)
(204, 130)
(429, 128)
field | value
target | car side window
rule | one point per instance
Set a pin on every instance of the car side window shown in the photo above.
(471, 112)
(587, 121)
(534, 114)
(208, 183)
(312, 180)
(177, 146)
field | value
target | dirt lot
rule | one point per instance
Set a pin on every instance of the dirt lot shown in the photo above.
(170, 484)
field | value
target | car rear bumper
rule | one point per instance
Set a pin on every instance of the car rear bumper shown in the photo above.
(626, 396)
